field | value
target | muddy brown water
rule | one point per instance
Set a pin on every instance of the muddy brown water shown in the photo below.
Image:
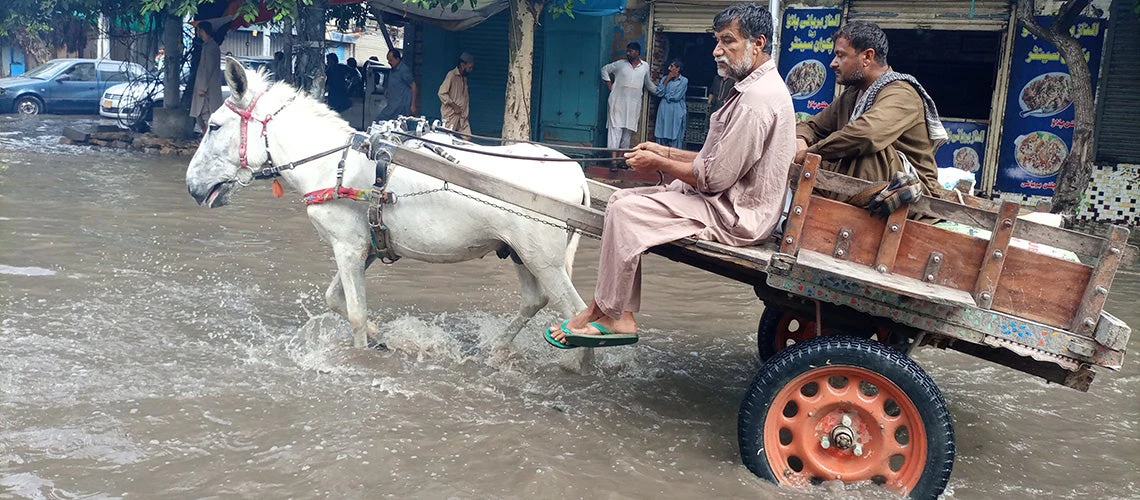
(151, 348)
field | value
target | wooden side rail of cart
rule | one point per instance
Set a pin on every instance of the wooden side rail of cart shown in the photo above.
(1026, 310)
(837, 262)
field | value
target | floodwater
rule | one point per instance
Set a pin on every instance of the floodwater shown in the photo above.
(152, 348)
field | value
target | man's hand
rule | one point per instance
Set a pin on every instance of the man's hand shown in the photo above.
(610, 85)
(641, 159)
(651, 147)
(801, 150)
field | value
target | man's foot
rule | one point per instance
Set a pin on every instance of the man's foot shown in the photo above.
(604, 337)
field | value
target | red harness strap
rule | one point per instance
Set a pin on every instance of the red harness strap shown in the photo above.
(326, 194)
(247, 115)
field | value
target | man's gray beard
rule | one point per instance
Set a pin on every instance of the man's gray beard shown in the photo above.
(741, 71)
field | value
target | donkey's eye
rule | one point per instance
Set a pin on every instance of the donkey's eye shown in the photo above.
(214, 127)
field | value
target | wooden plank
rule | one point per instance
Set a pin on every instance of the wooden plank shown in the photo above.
(902, 285)
(578, 216)
(760, 254)
(1040, 288)
(1086, 246)
(995, 255)
(961, 255)
(892, 236)
(801, 201)
(1111, 332)
(1092, 300)
(827, 218)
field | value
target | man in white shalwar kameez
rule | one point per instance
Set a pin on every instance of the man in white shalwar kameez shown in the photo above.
(732, 191)
(627, 79)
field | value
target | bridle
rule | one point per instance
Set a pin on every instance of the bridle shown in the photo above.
(377, 196)
(269, 170)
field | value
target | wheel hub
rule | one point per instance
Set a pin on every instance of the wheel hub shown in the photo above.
(845, 423)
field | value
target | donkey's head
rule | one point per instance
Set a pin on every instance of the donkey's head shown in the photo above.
(234, 144)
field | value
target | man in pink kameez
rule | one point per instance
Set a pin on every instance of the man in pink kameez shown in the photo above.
(732, 191)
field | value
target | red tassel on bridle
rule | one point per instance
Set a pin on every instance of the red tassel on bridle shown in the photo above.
(278, 191)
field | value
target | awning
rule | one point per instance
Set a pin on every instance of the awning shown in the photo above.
(466, 16)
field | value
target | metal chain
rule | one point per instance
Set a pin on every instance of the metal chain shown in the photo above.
(447, 187)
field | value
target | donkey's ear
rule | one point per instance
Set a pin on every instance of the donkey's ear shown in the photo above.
(236, 78)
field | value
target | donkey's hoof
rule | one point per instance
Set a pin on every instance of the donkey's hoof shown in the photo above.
(379, 346)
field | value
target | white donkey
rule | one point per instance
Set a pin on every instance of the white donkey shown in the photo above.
(285, 126)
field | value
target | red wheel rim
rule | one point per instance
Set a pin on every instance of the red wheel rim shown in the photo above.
(880, 419)
(785, 335)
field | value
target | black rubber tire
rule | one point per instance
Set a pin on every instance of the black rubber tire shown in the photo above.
(766, 332)
(28, 105)
(867, 354)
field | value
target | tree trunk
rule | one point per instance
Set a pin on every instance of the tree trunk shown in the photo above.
(309, 71)
(1076, 171)
(172, 64)
(520, 68)
(287, 48)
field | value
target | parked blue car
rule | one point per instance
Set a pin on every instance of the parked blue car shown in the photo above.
(64, 86)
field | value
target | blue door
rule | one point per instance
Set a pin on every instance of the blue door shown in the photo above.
(75, 90)
(17, 66)
(571, 80)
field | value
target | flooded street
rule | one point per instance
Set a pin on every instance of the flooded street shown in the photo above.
(152, 348)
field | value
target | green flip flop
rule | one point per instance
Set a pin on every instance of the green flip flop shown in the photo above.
(605, 339)
(553, 341)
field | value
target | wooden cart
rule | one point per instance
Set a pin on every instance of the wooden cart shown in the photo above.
(848, 296)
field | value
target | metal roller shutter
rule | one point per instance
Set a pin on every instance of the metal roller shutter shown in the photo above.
(487, 85)
(974, 15)
(1120, 101)
(687, 17)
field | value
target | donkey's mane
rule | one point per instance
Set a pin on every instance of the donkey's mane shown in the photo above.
(279, 92)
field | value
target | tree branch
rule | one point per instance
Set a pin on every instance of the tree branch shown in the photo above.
(1069, 12)
(1025, 15)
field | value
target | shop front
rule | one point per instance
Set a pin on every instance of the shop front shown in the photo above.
(1003, 94)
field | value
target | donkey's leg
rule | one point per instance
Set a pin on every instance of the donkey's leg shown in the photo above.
(351, 262)
(556, 286)
(334, 297)
(337, 301)
(533, 301)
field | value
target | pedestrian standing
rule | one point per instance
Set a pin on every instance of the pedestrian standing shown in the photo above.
(282, 67)
(336, 83)
(454, 104)
(355, 80)
(627, 79)
(670, 126)
(401, 90)
(208, 81)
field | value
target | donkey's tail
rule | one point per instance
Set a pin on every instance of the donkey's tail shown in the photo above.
(572, 242)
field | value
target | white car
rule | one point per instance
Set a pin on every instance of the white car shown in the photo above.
(130, 103)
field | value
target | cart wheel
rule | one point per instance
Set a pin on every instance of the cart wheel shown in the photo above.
(780, 328)
(840, 407)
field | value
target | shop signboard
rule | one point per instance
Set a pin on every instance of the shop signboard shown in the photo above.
(965, 147)
(1037, 133)
(806, 45)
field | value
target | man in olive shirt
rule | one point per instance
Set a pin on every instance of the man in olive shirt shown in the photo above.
(882, 121)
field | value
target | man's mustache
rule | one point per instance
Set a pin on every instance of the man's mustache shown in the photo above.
(721, 59)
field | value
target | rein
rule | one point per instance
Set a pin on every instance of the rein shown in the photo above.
(502, 140)
(505, 155)
(272, 170)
